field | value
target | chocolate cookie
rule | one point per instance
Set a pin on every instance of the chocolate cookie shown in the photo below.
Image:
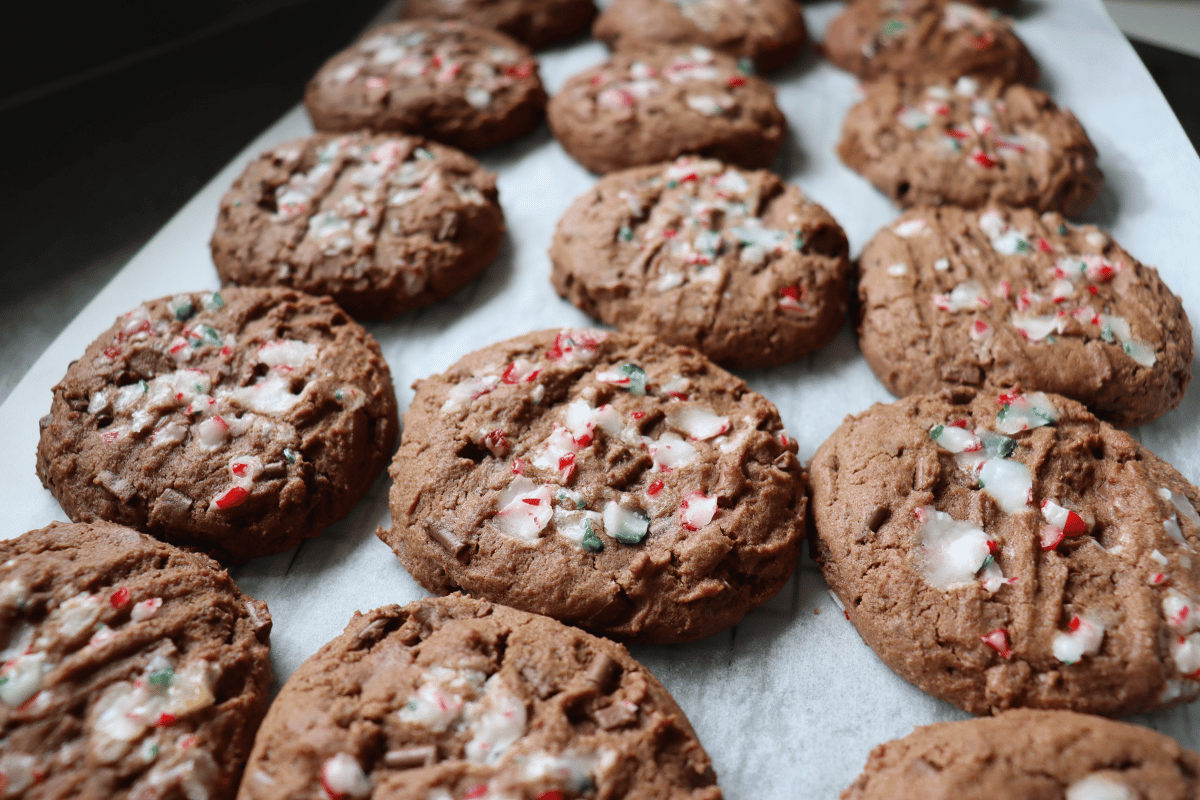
(1036, 755)
(952, 297)
(769, 32)
(239, 423)
(537, 23)
(382, 224)
(451, 698)
(652, 104)
(966, 144)
(927, 39)
(608, 480)
(736, 264)
(1012, 550)
(466, 86)
(132, 669)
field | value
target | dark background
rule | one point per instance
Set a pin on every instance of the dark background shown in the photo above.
(119, 112)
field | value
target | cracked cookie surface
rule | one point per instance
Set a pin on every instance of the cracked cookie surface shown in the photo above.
(734, 263)
(451, 698)
(467, 86)
(1037, 755)
(238, 422)
(927, 39)
(1012, 550)
(653, 103)
(769, 33)
(1007, 296)
(132, 669)
(382, 224)
(968, 143)
(609, 481)
(537, 23)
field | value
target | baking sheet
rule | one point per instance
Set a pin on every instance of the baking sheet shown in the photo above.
(790, 702)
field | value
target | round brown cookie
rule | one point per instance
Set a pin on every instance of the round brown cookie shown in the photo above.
(963, 144)
(652, 104)
(769, 32)
(927, 39)
(950, 296)
(382, 224)
(452, 698)
(608, 480)
(466, 86)
(239, 423)
(132, 669)
(1012, 550)
(1033, 755)
(736, 264)
(537, 23)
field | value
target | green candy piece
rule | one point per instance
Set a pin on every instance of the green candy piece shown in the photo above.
(184, 311)
(936, 432)
(162, 679)
(637, 378)
(591, 542)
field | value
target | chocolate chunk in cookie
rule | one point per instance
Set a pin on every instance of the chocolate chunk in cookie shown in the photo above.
(537, 23)
(608, 480)
(466, 86)
(955, 297)
(1026, 753)
(927, 39)
(1012, 550)
(768, 32)
(132, 669)
(452, 698)
(380, 223)
(736, 264)
(239, 423)
(967, 144)
(655, 103)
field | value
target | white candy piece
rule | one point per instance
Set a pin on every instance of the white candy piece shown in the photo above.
(525, 509)
(955, 439)
(953, 551)
(463, 392)
(1085, 640)
(696, 421)
(1185, 651)
(289, 353)
(696, 510)
(343, 776)
(496, 721)
(1098, 787)
(1008, 482)
(669, 451)
(1180, 611)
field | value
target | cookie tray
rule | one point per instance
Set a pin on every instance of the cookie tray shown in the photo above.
(790, 702)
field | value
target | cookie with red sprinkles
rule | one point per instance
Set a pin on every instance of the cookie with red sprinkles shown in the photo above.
(452, 698)
(1011, 550)
(927, 39)
(456, 83)
(608, 480)
(238, 422)
(732, 262)
(132, 669)
(1025, 753)
(653, 103)
(999, 295)
(965, 142)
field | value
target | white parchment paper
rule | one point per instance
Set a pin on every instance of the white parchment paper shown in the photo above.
(789, 702)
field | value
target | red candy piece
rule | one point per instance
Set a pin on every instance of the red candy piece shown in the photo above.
(1075, 525)
(520, 71)
(165, 720)
(736, 81)
(234, 497)
(553, 794)
(1044, 246)
(998, 641)
(983, 41)
(655, 488)
(478, 790)
(119, 598)
(983, 159)
(112, 352)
